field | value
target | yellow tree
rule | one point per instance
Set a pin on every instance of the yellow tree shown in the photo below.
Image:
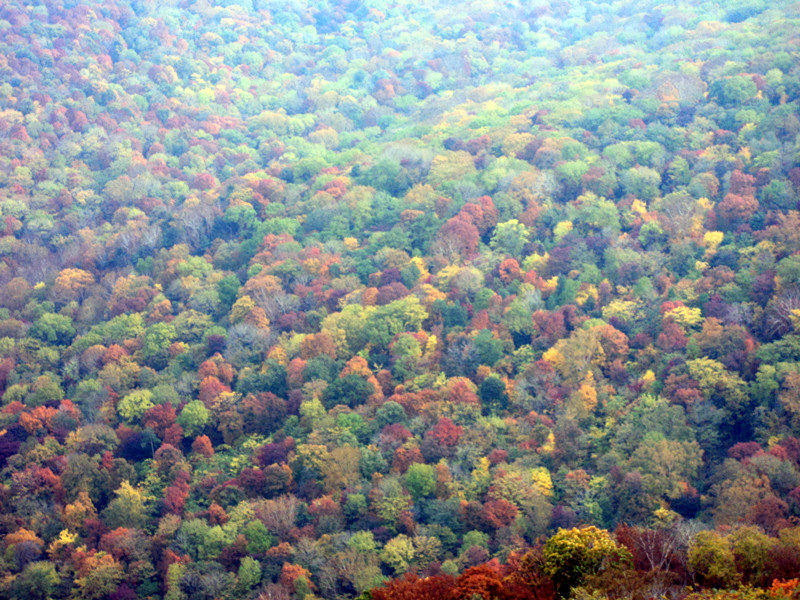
(71, 283)
(573, 554)
(574, 356)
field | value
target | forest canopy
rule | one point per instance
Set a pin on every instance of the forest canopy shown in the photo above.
(392, 300)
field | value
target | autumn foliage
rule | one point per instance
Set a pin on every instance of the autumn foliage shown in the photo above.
(399, 300)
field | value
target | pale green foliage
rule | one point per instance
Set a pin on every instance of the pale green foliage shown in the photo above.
(420, 480)
(249, 573)
(510, 237)
(193, 417)
(134, 405)
(712, 561)
(398, 553)
(363, 541)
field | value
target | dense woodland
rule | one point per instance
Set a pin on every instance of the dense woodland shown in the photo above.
(399, 300)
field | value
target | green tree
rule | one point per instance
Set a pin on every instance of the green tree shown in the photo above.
(130, 508)
(406, 352)
(666, 465)
(155, 346)
(641, 182)
(36, 582)
(134, 405)
(488, 347)
(510, 238)
(570, 176)
(399, 553)
(227, 288)
(493, 394)
(733, 91)
(388, 413)
(53, 329)
(593, 214)
(647, 416)
(363, 542)
(405, 314)
(518, 315)
(573, 554)
(752, 550)
(474, 538)
(44, 389)
(249, 574)
(194, 417)
(679, 172)
(351, 390)
(712, 561)
(100, 578)
(259, 539)
(200, 540)
(420, 480)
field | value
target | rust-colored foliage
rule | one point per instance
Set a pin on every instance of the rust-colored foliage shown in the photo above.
(411, 587)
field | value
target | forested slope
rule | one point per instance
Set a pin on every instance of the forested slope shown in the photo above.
(299, 297)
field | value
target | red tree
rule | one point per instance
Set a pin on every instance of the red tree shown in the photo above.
(411, 587)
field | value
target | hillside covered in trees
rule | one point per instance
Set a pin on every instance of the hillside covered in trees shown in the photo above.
(399, 300)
